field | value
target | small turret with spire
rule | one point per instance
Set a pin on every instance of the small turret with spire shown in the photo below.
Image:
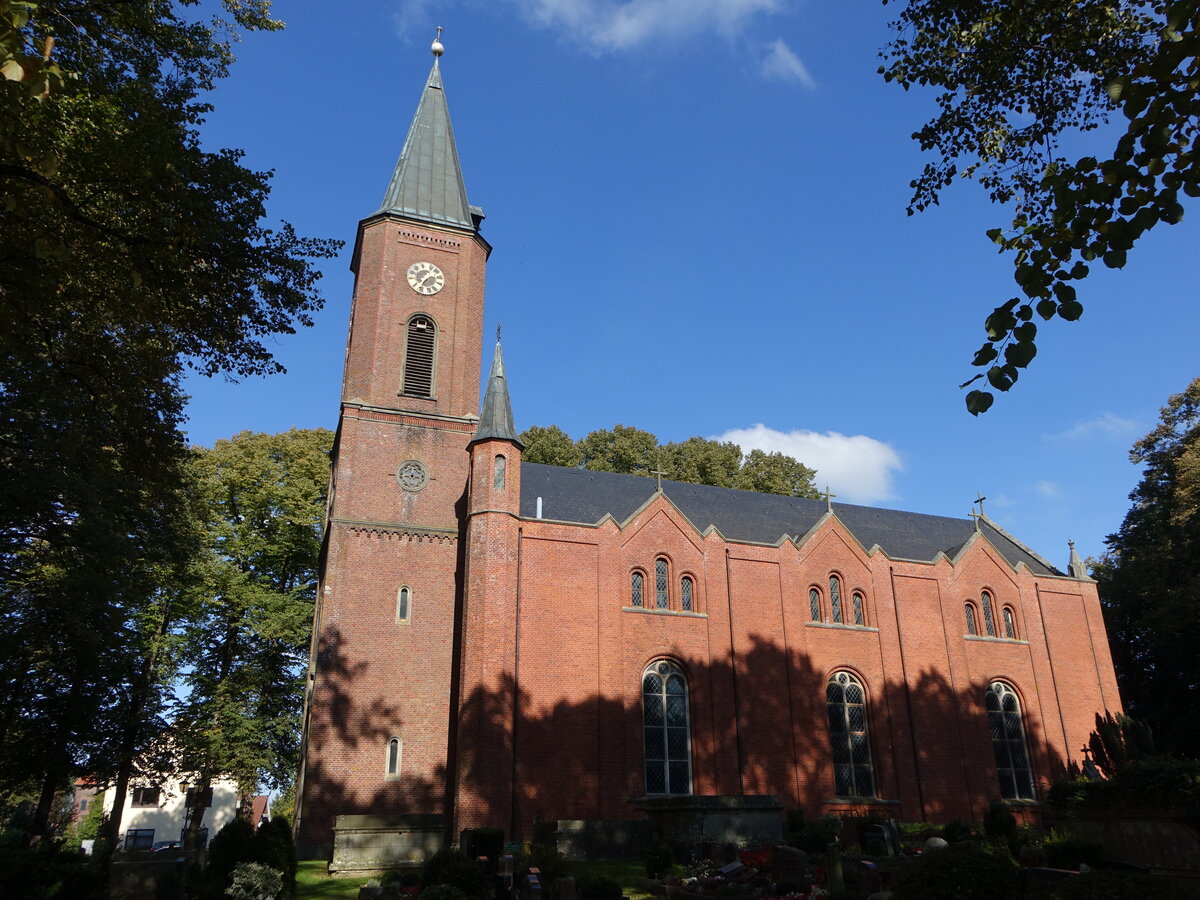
(1076, 568)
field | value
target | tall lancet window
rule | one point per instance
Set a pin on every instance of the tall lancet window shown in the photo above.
(835, 598)
(419, 352)
(1008, 742)
(666, 738)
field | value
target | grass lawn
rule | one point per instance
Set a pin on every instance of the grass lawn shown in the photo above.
(314, 883)
(625, 872)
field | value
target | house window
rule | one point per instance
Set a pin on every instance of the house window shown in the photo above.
(418, 356)
(1010, 625)
(814, 605)
(835, 598)
(395, 750)
(83, 805)
(969, 614)
(139, 839)
(846, 703)
(989, 621)
(637, 589)
(190, 798)
(1008, 742)
(145, 796)
(686, 601)
(660, 584)
(860, 617)
(403, 604)
(498, 479)
(666, 739)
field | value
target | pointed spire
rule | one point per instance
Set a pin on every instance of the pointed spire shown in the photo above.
(1076, 567)
(496, 419)
(427, 183)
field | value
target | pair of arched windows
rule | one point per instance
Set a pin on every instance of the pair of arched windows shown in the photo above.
(684, 601)
(840, 612)
(1008, 619)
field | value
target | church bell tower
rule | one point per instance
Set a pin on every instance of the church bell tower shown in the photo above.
(377, 734)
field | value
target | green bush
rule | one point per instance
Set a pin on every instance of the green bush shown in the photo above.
(232, 845)
(1066, 852)
(547, 860)
(41, 874)
(599, 886)
(659, 857)
(813, 835)
(450, 866)
(442, 892)
(957, 831)
(254, 881)
(999, 824)
(962, 870)
(273, 846)
(1157, 782)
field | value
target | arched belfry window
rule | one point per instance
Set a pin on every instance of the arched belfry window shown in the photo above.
(665, 729)
(661, 584)
(989, 618)
(687, 601)
(814, 605)
(419, 352)
(637, 589)
(846, 704)
(969, 615)
(395, 750)
(1008, 742)
(835, 598)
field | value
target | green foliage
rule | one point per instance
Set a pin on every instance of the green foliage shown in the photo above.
(283, 804)
(442, 892)
(255, 881)
(43, 874)
(233, 845)
(599, 886)
(1063, 851)
(659, 857)
(775, 473)
(999, 824)
(274, 847)
(1158, 783)
(1118, 740)
(450, 866)
(551, 446)
(813, 835)
(547, 859)
(622, 448)
(957, 831)
(1008, 96)
(1153, 564)
(961, 870)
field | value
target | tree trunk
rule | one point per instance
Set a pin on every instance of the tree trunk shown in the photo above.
(41, 816)
(195, 812)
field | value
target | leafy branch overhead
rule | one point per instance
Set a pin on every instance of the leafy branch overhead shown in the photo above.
(1016, 81)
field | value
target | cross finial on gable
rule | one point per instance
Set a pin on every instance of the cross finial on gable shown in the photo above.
(979, 499)
(829, 499)
(976, 516)
(660, 475)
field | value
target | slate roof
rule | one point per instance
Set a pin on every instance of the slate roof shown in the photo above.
(496, 419)
(427, 183)
(583, 496)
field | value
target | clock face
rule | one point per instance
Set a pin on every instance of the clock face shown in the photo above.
(425, 278)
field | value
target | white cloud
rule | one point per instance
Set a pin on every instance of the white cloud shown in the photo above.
(1105, 425)
(782, 64)
(857, 468)
(1002, 500)
(1049, 490)
(415, 20)
(613, 25)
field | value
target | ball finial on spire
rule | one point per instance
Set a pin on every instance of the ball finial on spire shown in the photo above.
(437, 47)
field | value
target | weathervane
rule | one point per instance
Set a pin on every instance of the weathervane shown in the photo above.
(497, 332)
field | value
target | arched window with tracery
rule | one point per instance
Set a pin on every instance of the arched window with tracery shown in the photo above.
(989, 619)
(661, 584)
(1008, 742)
(637, 589)
(665, 728)
(687, 601)
(814, 605)
(835, 598)
(419, 352)
(969, 614)
(846, 703)
(1010, 623)
(860, 615)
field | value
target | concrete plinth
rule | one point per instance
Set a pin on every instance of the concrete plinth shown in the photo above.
(377, 843)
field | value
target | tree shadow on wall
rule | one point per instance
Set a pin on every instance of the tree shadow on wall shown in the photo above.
(543, 746)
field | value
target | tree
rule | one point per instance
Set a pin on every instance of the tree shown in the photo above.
(247, 644)
(1017, 80)
(551, 446)
(622, 448)
(775, 473)
(1149, 580)
(127, 248)
(701, 461)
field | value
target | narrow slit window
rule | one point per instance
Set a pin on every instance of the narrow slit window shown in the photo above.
(989, 620)
(835, 598)
(637, 589)
(403, 604)
(661, 600)
(498, 479)
(969, 615)
(860, 616)
(395, 750)
(686, 601)
(814, 605)
(418, 357)
(1010, 625)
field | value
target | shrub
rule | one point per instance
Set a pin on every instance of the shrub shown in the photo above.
(254, 881)
(659, 857)
(42, 873)
(813, 835)
(442, 892)
(546, 859)
(1063, 851)
(999, 824)
(232, 845)
(450, 866)
(962, 870)
(957, 831)
(599, 886)
(273, 846)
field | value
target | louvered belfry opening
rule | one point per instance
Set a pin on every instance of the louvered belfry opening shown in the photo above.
(418, 357)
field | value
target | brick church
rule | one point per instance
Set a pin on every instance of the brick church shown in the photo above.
(498, 642)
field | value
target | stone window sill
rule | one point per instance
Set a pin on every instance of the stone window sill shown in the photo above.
(994, 640)
(664, 612)
(842, 627)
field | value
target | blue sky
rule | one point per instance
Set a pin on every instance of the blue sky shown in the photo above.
(698, 214)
